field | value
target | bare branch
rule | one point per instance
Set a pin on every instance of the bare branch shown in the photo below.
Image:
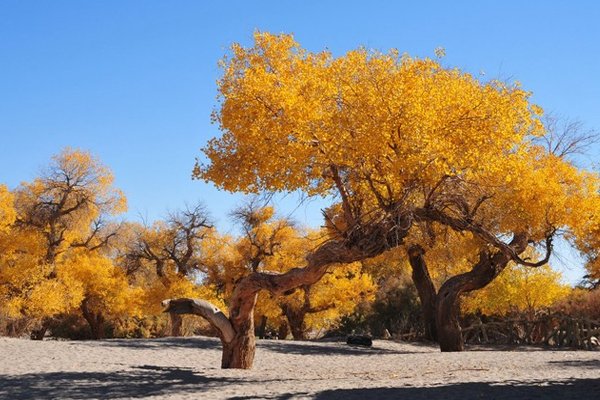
(567, 137)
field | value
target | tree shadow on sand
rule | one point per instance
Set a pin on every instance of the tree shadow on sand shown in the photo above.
(196, 342)
(307, 348)
(140, 382)
(579, 389)
(585, 364)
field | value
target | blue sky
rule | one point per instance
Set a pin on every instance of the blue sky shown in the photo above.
(134, 81)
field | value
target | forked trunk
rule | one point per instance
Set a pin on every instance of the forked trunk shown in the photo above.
(237, 331)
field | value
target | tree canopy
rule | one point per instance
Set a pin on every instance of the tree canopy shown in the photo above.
(383, 132)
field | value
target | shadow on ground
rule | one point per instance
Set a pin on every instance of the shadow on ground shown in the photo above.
(140, 382)
(576, 389)
(580, 389)
(308, 348)
(589, 364)
(196, 342)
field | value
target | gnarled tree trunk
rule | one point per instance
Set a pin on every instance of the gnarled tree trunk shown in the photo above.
(426, 290)
(489, 266)
(238, 345)
(283, 331)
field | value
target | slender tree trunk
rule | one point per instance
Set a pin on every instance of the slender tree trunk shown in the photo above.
(426, 290)
(261, 330)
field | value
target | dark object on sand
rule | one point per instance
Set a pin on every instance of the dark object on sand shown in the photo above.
(359, 341)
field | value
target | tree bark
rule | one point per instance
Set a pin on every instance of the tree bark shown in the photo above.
(296, 324)
(239, 352)
(176, 325)
(425, 289)
(95, 320)
(261, 329)
(283, 331)
(489, 266)
(236, 333)
(447, 317)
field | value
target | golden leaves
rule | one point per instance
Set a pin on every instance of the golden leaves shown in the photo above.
(287, 115)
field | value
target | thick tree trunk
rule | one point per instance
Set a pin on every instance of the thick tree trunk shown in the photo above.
(295, 320)
(95, 320)
(483, 272)
(426, 290)
(447, 318)
(297, 326)
(240, 351)
(236, 333)
(176, 325)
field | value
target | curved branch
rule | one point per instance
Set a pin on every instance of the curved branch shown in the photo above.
(513, 249)
(204, 309)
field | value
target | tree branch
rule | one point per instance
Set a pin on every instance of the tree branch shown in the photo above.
(204, 309)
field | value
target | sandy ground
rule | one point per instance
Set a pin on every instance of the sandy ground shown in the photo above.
(188, 368)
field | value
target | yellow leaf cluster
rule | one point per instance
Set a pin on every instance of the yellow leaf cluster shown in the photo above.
(517, 290)
(385, 130)
(7, 210)
(287, 115)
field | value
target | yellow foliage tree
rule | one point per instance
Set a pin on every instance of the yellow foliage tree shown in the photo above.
(169, 255)
(397, 141)
(105, 293)
(61, 212)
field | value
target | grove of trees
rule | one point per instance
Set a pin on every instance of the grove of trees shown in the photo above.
(446, 194)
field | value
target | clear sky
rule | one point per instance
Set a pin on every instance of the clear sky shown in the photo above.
(134, 81)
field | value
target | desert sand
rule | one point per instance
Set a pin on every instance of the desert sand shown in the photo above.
(188, 368)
